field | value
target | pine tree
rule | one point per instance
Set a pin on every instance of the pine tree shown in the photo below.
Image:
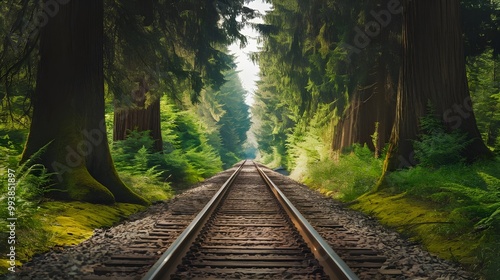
(69, 107)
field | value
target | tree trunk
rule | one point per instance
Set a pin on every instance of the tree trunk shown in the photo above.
(367, 107)
(142, 117)
(433, 69)
(69, 107)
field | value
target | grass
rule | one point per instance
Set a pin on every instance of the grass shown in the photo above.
(469, 198)
(345, 179)
(147, 187)
(453, 211)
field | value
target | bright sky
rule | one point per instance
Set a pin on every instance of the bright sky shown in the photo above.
(248, 71)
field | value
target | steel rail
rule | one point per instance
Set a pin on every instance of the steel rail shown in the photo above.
(168, 262)
(332, 264)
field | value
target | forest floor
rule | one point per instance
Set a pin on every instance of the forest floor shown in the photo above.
(453, 211)
(58, 224)
(421, 223)
(457, 223)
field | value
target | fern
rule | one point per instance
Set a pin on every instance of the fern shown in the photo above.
(32, 159)
(33, 179)
(438, 147)
(154, 173)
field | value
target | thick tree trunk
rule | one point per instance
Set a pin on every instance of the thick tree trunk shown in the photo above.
(368, 107)
(433, 69)
(69, 107)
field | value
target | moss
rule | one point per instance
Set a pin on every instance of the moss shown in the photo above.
(66, 224)
(421, 222)
(121, 192)
(73, 222)
(81, 186)
(147, 187)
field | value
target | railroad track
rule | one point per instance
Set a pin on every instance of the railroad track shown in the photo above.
(249, 230)
(246, 229)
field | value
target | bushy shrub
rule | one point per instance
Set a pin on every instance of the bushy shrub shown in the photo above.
(229, 159)
(177, 164)
(124, 151)
(355, 173)
(206, 161)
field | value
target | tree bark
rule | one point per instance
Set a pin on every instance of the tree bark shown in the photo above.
(368, 106)
(433, 69)
(69, 108)
(142, 117)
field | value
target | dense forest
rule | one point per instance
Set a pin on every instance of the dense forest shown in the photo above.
(371, 100)
(113, 102)
(366, 73)
(162, 74)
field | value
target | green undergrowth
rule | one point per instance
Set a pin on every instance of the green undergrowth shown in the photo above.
(468, 196)
(352, 175)
(147, 185)
(187, 156)
(422, 222)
